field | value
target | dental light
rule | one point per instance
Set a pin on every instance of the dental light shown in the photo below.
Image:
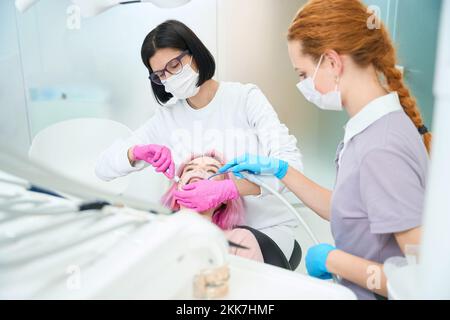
(24, 5)
(91, 8)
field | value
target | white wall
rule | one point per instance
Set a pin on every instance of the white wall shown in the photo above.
(98, 66)
(253, 49)
(13, 114)
(436, 237)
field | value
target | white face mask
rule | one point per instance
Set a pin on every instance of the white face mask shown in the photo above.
(184, 84)
(329, 101)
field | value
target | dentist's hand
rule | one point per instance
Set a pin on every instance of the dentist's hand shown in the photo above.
(259, 165)
(206, 194)
(158, 156)
(316, 261)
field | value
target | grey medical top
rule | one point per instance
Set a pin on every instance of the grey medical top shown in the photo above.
(380, 183)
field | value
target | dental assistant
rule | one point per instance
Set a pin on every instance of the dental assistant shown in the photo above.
(198, 115)
(375, 208)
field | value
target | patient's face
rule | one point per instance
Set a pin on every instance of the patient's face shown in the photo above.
(200, 168)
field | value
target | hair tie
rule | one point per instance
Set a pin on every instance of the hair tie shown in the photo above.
(423, 130)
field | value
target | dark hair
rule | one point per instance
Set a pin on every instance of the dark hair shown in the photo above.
(175, 34)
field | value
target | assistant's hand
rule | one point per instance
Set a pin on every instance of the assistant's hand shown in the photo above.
(206, 194)
(259, 165)
(316, 260)
(158, 156)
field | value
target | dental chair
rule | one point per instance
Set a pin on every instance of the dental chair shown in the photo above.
(71, 147)
(272, 254)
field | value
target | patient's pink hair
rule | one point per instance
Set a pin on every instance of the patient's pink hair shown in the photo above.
(227, 216)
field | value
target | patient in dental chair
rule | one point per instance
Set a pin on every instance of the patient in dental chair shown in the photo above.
(228, 216)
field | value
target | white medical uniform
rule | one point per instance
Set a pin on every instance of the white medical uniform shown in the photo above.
(238, 120)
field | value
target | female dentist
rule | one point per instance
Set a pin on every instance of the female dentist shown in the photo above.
(231, 118)
(376, 206)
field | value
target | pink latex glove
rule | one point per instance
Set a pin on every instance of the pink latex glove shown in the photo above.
(206, 194)
(158, 156)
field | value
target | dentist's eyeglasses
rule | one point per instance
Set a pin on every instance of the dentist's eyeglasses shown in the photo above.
(174, 66)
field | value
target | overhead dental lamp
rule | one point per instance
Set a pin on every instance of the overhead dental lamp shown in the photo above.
(24, 5)
(91, 8)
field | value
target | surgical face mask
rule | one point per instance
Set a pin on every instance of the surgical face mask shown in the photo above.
(184, 84)
(329, 101)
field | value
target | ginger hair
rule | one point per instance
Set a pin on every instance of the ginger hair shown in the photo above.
(344, 26)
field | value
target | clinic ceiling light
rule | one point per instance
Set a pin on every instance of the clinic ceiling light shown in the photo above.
(24, 5)
(91, 8)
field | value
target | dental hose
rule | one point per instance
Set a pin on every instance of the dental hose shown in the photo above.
(262, 184)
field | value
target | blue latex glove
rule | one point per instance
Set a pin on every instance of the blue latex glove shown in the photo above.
(259, 165)
(316, 259)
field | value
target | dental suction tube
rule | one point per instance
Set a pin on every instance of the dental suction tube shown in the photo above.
(262, 184)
